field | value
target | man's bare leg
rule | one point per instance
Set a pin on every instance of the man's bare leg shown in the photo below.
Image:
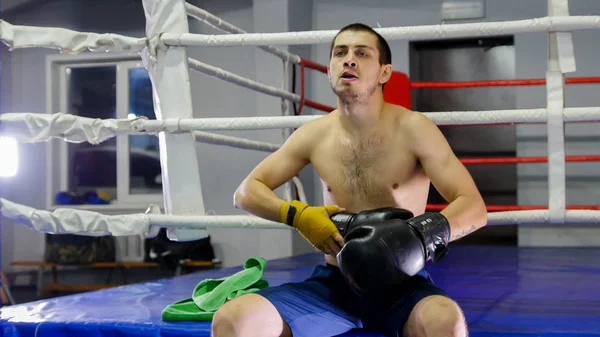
(247, 316)
(436, 316)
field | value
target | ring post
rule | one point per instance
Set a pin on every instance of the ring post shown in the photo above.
(169, 73)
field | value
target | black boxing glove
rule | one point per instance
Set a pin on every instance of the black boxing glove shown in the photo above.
(345, 222)
(378, 256)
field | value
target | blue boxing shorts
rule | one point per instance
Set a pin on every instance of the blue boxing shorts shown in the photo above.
(324, 305)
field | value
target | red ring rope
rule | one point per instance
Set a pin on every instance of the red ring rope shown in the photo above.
(301, 104)
(304, 63)
(524, 160)
(506, 208)
(312, 65)
(470, 84)
(318, 106)
(499, 83)
(500, 160)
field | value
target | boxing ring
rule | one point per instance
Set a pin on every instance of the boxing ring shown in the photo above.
(503, 291)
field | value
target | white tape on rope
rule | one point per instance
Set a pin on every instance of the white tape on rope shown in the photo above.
(545, 24)
(75, 221)
(66, 40)
(40, 127)
(562, 41)
(556, 146)
(560, 55)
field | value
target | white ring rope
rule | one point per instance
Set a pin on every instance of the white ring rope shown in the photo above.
(544, 24)
(214, 21)
(300, 188)
(34, 127)
(241, 81)
(84, 222)
(203, 15)
(72, 41)
(236, 142)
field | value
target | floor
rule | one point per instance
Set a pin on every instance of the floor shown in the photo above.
(509, 291)
(503, 290)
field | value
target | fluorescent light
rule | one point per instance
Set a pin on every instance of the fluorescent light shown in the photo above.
(9, 157)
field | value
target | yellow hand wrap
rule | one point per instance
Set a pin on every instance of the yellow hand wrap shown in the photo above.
(312, 222)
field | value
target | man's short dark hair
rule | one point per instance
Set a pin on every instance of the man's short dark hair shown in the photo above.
(385, 54)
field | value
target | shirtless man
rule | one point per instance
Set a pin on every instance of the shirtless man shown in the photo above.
(369, 155)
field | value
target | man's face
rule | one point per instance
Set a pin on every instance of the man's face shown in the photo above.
(354, 69)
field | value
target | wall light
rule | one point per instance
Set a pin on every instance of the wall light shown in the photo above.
(9, 157)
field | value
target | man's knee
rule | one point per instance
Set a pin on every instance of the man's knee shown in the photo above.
(225, 321)
(436, 316)
(248, 315)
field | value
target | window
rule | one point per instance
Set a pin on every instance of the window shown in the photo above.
(140, 172)
(91, 92)
(125, 167)
(144, 163)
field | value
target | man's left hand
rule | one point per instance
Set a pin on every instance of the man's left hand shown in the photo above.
(379, 255)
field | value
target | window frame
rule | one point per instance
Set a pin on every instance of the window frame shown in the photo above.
(57, 100)
(123, 144)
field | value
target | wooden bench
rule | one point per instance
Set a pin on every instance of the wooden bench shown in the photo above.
(123, 266)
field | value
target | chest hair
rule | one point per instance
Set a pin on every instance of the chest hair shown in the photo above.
(361, 163)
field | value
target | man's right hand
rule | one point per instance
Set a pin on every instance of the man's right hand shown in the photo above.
(314, 223)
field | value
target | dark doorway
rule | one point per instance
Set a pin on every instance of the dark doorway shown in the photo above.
(472, 60)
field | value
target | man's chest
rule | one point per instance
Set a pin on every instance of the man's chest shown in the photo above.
(369, 171)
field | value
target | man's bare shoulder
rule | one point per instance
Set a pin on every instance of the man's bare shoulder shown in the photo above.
(310, 132)
(410, 120)
(314, 126)
(322, 121)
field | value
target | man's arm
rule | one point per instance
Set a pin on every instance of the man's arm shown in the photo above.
(466, 211)
(255, 194)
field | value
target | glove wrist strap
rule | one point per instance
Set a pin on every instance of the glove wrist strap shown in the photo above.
(435, 230)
